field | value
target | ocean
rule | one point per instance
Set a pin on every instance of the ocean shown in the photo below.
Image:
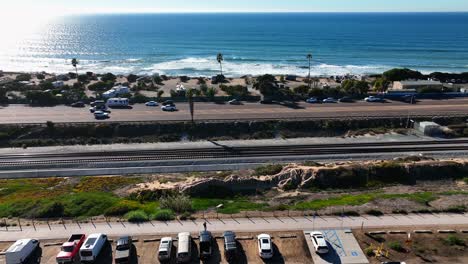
(254, 43)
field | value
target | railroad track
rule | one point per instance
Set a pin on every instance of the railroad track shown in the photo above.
(120, 158)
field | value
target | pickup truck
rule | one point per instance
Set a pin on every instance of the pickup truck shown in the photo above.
(70, 249)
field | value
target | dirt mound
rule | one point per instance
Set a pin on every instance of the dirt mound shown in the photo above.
(343, 175)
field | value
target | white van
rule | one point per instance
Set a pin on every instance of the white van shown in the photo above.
(118, 102)
(24, 251)
(184, 247)
(92, 247)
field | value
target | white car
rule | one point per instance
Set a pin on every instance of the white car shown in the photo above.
(169, 108)
(265, 248)
(152, 103)
(320, 244)
(329, 100)
(101, 115)
(165, 249)
(373, 99)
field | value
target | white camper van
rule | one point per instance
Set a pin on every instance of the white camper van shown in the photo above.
(184, 247)
(24, 251)
(92, 247)
(118, 102)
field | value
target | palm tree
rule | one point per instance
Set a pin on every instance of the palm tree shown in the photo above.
(220, 59)
(75, 63)
(190, 93)
(309, 57)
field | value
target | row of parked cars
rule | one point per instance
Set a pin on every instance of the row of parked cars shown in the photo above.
(331, 100)
(184, 252)
(87, 249)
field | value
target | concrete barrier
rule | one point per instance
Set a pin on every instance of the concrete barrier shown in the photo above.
(446, 231)
(423, 231)
(377, 233)
(397, 232)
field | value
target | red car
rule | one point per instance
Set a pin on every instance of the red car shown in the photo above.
(69, 252)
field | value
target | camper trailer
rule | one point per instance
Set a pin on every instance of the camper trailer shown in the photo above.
(24, 251)
(184, 247)
(118, 103)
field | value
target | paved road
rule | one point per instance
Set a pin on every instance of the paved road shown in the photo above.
(240, 224)
(204, 111)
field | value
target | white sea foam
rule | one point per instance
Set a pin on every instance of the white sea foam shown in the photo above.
(209, 66)
(188, 66)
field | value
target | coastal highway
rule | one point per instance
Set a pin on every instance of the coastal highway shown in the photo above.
(213, 158)
(247, 111)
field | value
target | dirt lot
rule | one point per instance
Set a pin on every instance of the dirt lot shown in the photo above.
(287, 250)
(424, 248)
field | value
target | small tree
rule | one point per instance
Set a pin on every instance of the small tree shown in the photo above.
(160, 93)
(220, 59)
(75, 63)
(309, 57)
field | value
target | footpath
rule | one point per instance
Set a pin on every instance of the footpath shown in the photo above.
(61, 231)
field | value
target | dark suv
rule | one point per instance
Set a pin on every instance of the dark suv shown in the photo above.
(230, 245)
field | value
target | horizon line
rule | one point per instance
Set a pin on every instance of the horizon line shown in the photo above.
(118, 12)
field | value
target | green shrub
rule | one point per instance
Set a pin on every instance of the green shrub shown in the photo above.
(396, 245)
(137, 216)
(271, 169)
(178, 203)
(311, 164)
(51, 210)
(24, 77)
(119, 210)
(369, 252)
(164, 215)
(453, 240)
(458, 209)
(186, 216)
(374, 212)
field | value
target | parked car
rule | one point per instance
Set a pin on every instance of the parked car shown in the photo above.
(319, 242)
(373, 99)
(235, 102)
(265, 247)
(230, 245)
(97, 102)
(266, 101)
(168, 102)
(152, 103)
(101, 115)
(91, 248)
(99, 108)
(206, 244)
(346, 100)
(165, 249)
(329, 100)
(69, 252)
(313, 100)
(78, 104)
(184, 247)
(123, 250)
(409, 98)
(169, 108)
(24, 251)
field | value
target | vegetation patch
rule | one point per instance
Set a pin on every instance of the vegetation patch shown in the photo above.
(104, 184)
(270, 169)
